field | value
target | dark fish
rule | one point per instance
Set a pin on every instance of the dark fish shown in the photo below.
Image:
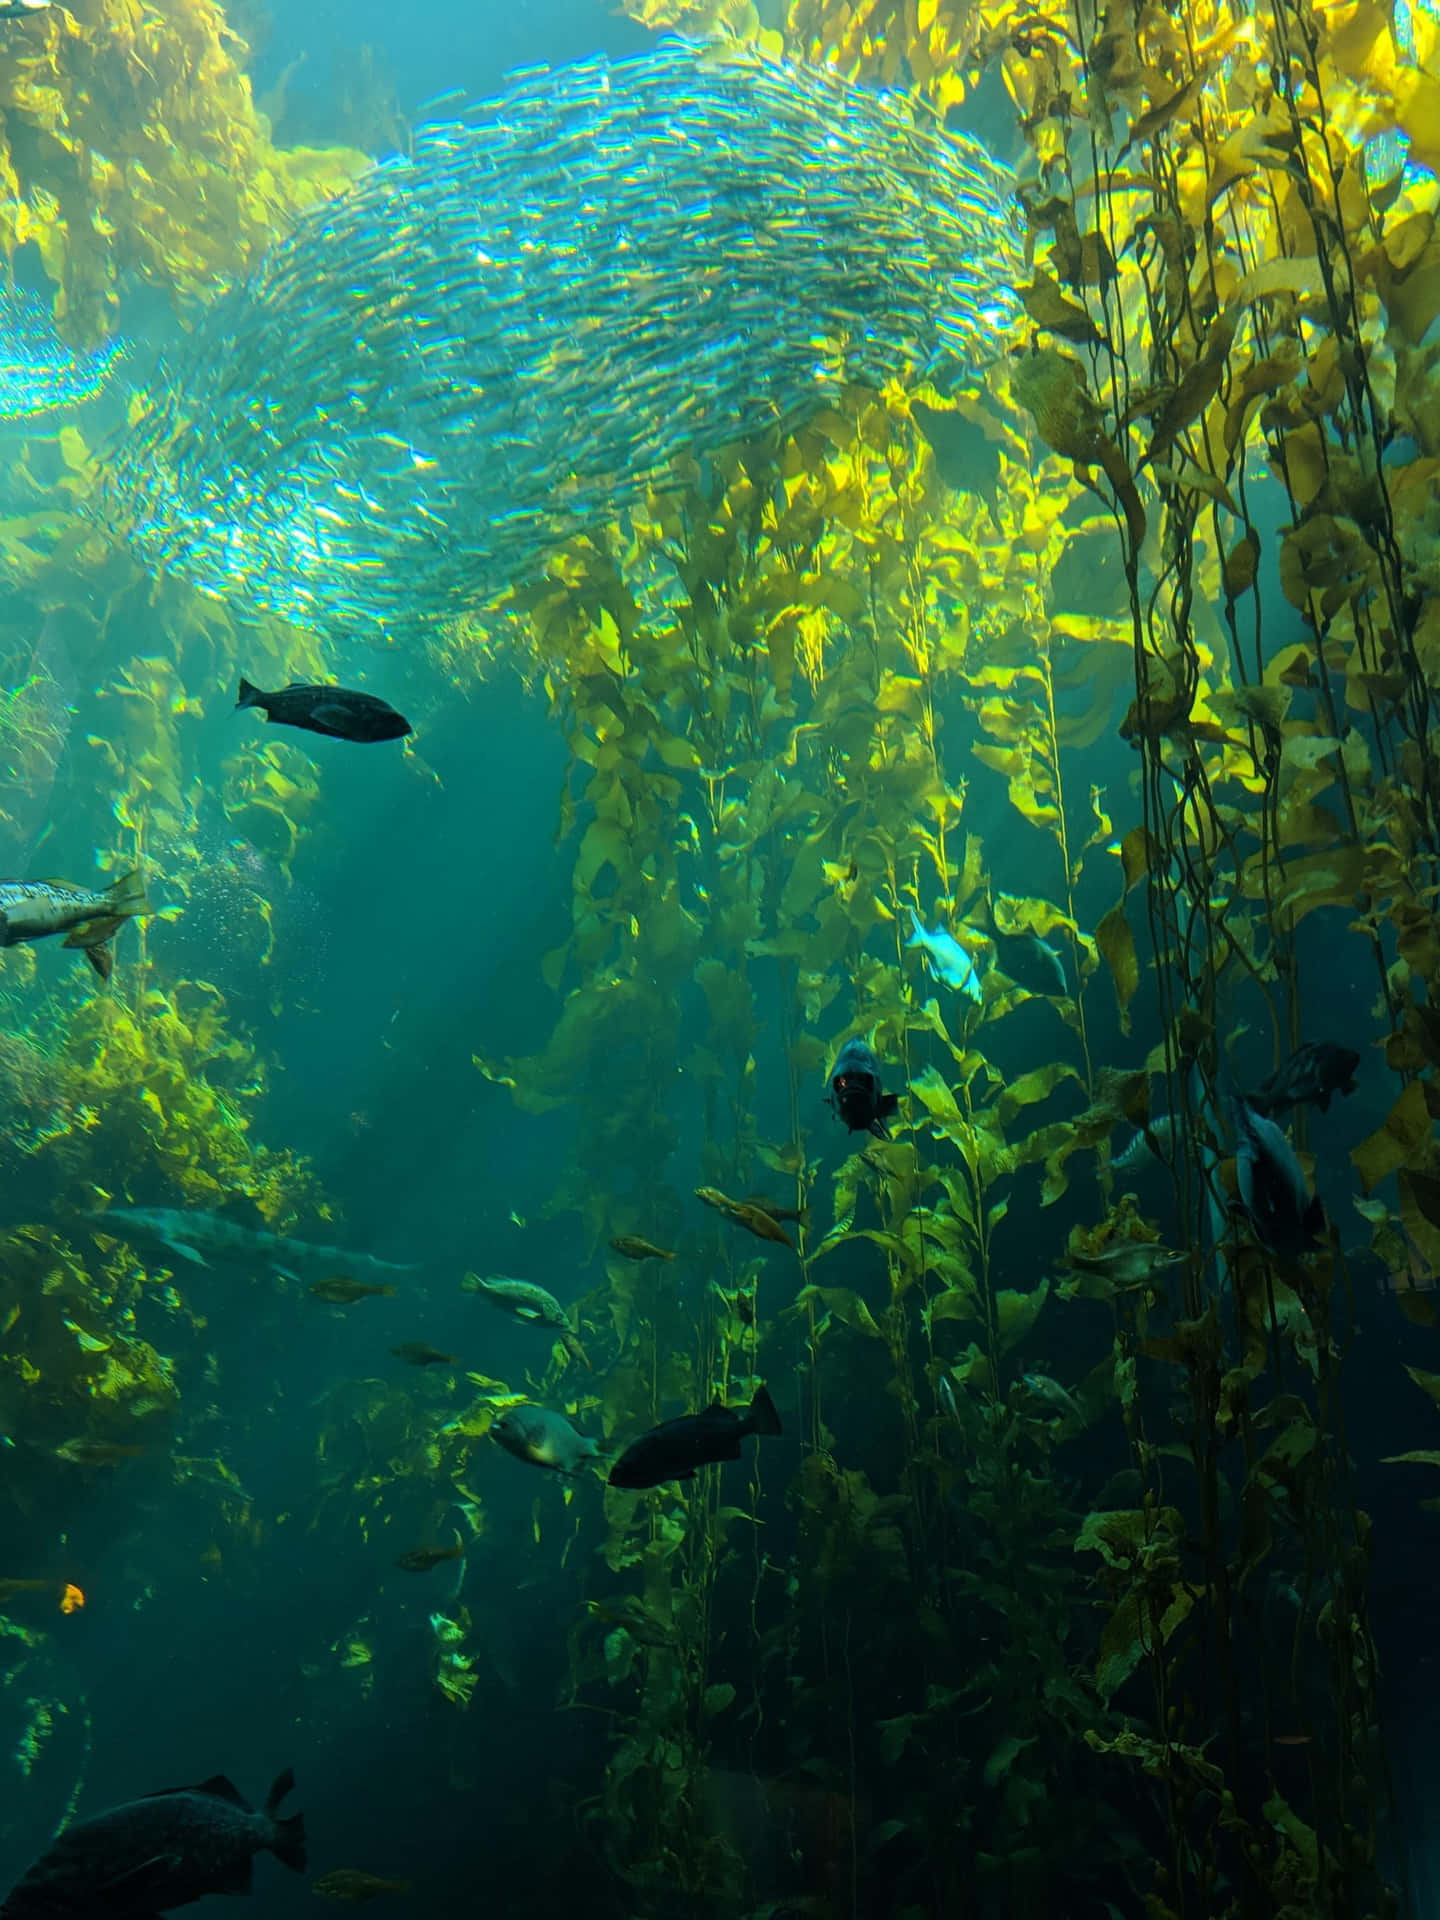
(163, 1851)
(1286, 1216)
(341, 1291)
(422, 1559)
(855, 1091)
(1031, 963)
(674, 1451)
(419, 1355)
(88, 917)
(18, 9)
(1313, 1072)
(631, 1247)
(335, 711)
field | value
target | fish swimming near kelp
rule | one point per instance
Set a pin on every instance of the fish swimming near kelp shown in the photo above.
(68, 1596)
(1286, 1217)
(162, 1851)
(339, 1290)
(405, 408)
(89, 917)
(81, 1452)
(39, 371)
(337, 712)
(754, 1219)
(631, 1247)
(523, 1300)
(205, 1240)
(544, 1438)
(1315, 1072)
(678, 1448)
(1149, 1148)
(945, 958)
(855, 1094)
(18, 9)
(423, 1559)
(1031, 963)
(418, 1353)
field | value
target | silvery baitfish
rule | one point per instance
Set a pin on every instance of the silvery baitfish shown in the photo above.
(159, 1852)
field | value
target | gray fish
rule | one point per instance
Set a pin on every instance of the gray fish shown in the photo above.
(544, 1438)
(1287, 1218)
(205, 1239)
(89, 917)
(156, 1853)
(523, 1300)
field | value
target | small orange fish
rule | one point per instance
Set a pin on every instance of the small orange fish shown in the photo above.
(631, 1247)
(800, 1215)
(340, 1291)
(71, 1598)
(755, 1220)
(745, 1214)
(422, 1559)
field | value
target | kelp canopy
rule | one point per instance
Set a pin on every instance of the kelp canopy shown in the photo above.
(1070, 1566)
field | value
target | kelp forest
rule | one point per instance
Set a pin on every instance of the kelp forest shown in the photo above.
(1054, 1596)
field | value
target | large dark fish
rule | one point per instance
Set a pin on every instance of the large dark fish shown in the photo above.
(149, 1855)
(1288, 1219)
(1313, 1072)
(336, 712)
(675, 1450)
(88, 917)
(855, 1091)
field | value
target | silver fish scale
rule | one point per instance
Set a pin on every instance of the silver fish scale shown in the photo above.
(497, 342)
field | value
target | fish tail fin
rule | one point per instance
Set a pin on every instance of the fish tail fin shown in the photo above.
(764, 1416)
(249, 696)
(289, 1843)
(573, 1347)
(126, 896)
(281, 1788)
(102, 960)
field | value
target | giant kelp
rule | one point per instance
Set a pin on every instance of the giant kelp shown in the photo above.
(1244, 290)
(794, 687)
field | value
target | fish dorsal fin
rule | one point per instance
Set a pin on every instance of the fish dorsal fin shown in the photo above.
(222, 1788)
(717, 1405)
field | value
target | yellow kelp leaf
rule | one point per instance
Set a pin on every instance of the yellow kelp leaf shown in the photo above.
(1031, 1088)
(1116, 941)
(1016, 1313)
(1317, 880)
(939, 1102)
(1407, 1126)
